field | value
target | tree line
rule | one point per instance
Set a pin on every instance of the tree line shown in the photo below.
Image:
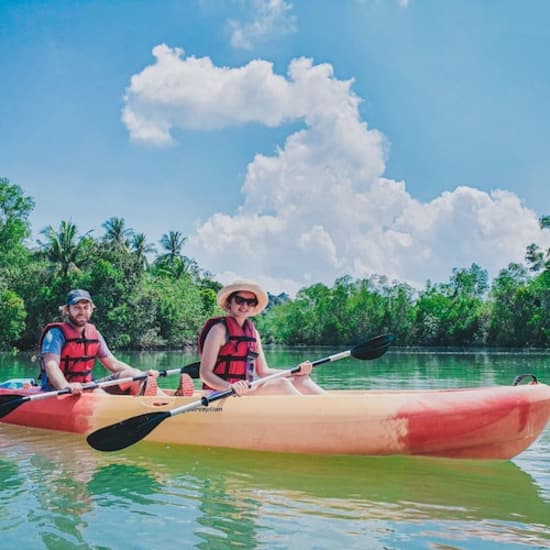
(149, 298)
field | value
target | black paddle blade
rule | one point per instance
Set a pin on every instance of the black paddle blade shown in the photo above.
(373, 348)
(10, 402)
(126, 432)
(192, 370)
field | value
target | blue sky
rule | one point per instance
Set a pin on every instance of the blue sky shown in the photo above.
(291, 142)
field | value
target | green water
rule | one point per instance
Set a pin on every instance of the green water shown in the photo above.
(58, 493)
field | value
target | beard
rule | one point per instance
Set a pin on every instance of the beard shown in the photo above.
(78, 322)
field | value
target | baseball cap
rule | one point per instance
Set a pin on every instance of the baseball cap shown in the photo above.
(77, 295)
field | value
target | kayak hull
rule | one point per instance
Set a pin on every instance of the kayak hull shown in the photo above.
(485, 423)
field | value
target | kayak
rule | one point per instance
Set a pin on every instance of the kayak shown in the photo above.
(481, 423)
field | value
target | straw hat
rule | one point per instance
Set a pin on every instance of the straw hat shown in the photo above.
(243, 286)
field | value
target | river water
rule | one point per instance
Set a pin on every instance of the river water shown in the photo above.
(56, 492)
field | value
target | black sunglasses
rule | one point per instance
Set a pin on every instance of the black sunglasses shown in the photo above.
(251, 302)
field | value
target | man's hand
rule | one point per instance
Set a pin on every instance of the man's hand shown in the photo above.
(75, 388)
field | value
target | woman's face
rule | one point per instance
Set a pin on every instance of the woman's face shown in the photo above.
(242, 303)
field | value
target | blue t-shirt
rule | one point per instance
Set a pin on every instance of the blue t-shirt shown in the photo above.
(53, 342)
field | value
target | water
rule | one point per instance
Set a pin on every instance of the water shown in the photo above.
(58, 493)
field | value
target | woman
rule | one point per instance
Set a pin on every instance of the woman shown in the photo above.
(231, 348)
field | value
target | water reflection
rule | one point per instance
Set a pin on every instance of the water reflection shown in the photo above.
(123, 485)
(472, 489)
(228, 515)
(51, 488)
(218, 498)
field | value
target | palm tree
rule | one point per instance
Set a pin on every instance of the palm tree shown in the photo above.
(65, 247)
(173, 243)
(173, 263)
(141, 248)
(180, 267)
(116, 233)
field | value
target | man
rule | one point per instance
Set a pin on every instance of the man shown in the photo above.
(68, 351)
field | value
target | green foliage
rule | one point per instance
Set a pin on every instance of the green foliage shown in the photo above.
(65, 249)
(520, 308)
(15, 209)
(453, 314)
(528, 325)
(141, 248)
(117, 234)
(12, 318)
(173, 243)
(469, 283)
(346, 313)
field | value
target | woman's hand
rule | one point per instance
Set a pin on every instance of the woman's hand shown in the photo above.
(241, 387)
(305, 368)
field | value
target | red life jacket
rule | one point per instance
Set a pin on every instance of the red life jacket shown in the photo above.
(78, 352)
(236, 354)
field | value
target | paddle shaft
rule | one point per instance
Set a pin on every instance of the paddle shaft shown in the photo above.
(9, 402)
(207, 399)
(126, 432)
(95, 385)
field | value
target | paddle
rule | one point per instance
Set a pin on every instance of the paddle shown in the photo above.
(131, 430)
(10, 402)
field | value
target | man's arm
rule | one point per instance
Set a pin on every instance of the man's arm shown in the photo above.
(52, 344)
(56, 379)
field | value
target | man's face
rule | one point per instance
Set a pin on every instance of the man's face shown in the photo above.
(80, 313)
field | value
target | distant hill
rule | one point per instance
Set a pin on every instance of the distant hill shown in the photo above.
(277, 300)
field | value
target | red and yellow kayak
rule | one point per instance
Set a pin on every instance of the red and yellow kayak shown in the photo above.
(485, 423)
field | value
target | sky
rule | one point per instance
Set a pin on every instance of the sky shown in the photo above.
(291, 142)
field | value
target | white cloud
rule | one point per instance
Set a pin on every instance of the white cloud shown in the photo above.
(319, 207)
(194, 93)
(267, 19)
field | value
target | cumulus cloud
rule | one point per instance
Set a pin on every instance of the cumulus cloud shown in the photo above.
(194, 93)
(267, 19)
(320, 206)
